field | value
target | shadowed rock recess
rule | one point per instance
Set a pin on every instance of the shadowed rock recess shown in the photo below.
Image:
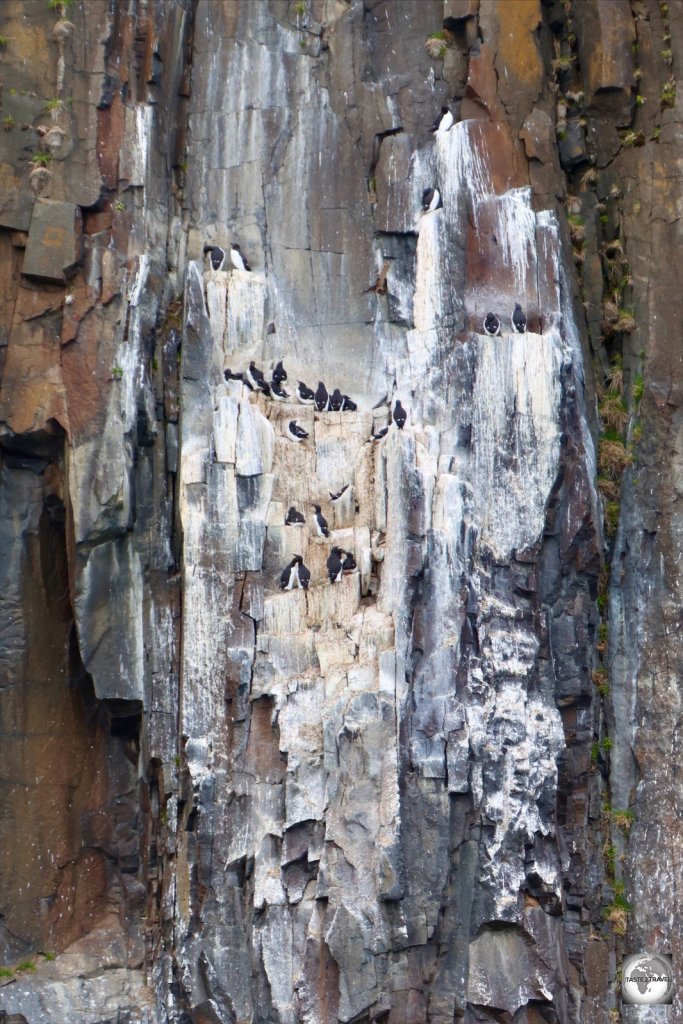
(446, 787)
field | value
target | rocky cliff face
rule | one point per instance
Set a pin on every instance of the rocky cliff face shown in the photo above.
(443, 787)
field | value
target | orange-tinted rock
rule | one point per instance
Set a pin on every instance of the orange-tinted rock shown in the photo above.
(481, 93)
(32, 388)
(510, 29)
(606, 33)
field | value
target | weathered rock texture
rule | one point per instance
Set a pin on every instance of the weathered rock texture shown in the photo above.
(430, 791)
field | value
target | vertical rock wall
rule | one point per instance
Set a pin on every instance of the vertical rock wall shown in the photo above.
(398, 797)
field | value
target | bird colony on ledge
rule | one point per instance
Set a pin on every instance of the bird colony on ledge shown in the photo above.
(339, 562)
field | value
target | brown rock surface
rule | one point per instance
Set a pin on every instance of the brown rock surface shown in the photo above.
(441, 787)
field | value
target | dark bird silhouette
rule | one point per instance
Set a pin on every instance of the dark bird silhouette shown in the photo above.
(295, 432)
(229, 375)
(290, 574)
(270, 328)
(492, 324)
(254, 376)
(518, 319)
(264, 387)
(216, 255)
(303, 576)
(279, 373)
(294, 518)
(336, 400)
(304, 394)
(431, 200)
(237, 257)
(278, 392)
(400, 415)
(334, 497)
(348, 405)
(443, 121)
(349, 563)
(335, 566)
(379, 435)
(320, 522)
(322, 399)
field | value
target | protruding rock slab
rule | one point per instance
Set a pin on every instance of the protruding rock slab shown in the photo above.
(54, 240)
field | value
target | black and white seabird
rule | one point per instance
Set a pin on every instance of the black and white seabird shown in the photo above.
(379, 435)
(334, 497)
(349, 563)
(303, 575)
(264, 387)
(320, 522)
(492, 324)
(322, 399)
(335, 565)
(254, 376)
(444, 121)
(290, 574)
(278, 392)
(348, 405)
(304, 394)
(400, 415)
(229, 375)
(237, 257)
(216, 255)
(279, 373)
(336, 400)
(431, 200)
(294, 518)
(518, 319)
(295, 432)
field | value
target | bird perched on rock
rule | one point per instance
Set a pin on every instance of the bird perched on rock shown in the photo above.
(255, 376)
(335, 565)
(305, 395)
(444, 121)
(216, 256)
(349, 563)
(379, 435)
(334, 497)
(348, 405)
(518, 319)
(295, 432)
(237, 257)
(336, 400)
(492, 324)
(400, 415)
(278, 392)
(295, 574)
(264, 388)
(294, 518)
(320, 522)
(322, 399)
(229, 375)
(279, 373)
(431, 200)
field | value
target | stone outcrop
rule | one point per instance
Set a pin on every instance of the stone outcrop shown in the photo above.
(440, 787)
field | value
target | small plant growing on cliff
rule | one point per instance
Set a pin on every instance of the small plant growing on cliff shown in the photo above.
(600, 681)
(117, 372)
(303, 43)
(613, 412)
(613, 456)
(603, 633)
(611, 524)
(626, 322)
(561, 64)
(4, 40)
(41, 159)
(300, 9)
(54, 103)
(119, 205)
(8, 123)
(435, 45)
(6, 972)
(637, 388)
(623, 820)
(640, 99)
(667, 56)
(26, 965)
(667, 95)
(59, 5)
(630, 139)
